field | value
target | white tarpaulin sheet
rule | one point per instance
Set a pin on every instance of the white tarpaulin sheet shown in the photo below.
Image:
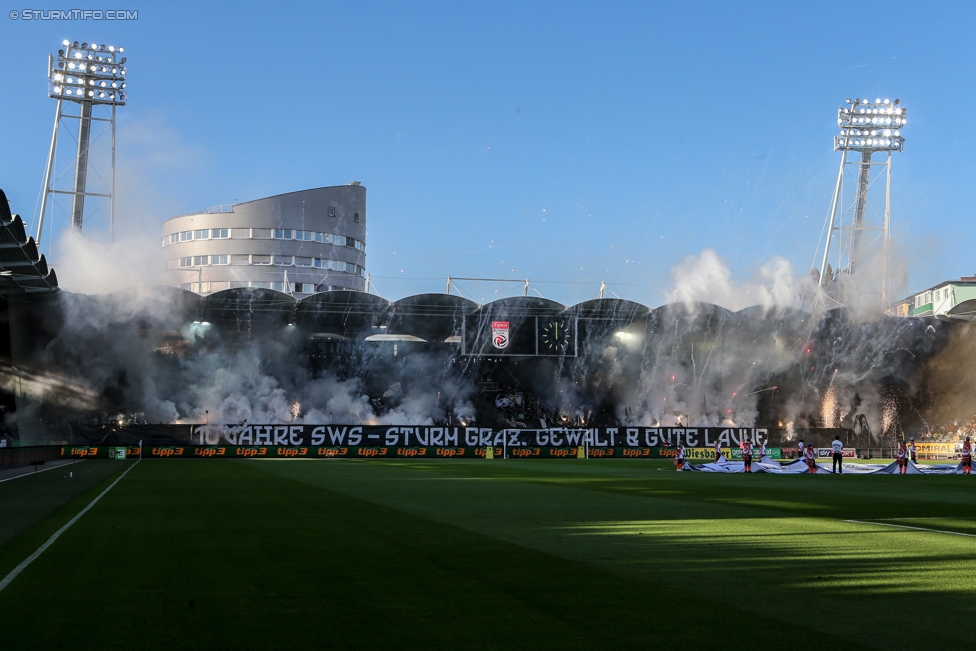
(799, 467)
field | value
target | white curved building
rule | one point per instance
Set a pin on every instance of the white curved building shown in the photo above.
(299, 243)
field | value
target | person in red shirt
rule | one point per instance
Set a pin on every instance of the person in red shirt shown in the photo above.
(902, 458)
(679, 457)
(810, 455)
(967, 457)
(746, 447)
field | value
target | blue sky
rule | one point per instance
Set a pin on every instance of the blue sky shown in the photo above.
(567, 143)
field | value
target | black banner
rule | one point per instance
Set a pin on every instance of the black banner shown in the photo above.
(393, 436)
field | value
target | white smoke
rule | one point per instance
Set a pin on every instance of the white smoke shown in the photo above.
(707, 278)
(89, 267)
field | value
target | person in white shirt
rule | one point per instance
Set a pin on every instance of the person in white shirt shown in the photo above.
(718, 451)
(838, 448)
(799, 449)
(679, 457)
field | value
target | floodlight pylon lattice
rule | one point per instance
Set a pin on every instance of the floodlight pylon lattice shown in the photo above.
(867, 128)
(93, 77)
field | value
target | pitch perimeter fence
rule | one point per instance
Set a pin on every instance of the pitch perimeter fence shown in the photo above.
(16, 457)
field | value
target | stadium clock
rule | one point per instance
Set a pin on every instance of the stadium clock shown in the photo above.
(555, 335)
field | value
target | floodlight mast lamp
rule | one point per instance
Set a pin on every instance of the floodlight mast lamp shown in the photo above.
(865, 127)
(88, 75)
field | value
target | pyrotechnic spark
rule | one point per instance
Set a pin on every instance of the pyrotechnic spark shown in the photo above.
(889, 416)
(828, 408)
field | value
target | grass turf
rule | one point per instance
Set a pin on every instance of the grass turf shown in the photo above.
(27, 501)
(556, 554)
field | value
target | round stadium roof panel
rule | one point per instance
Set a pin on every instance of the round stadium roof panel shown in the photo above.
(431, 317)
(350, 314)
(964, 310)
(617, 310)
(694, 310)
(600, 320)
(522, 307)
(698, 318)
(779, 318)
(243, 308)
(161, 302)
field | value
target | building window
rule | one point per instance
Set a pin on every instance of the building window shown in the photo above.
(303, 262)
(355, 217)
(360, 246)
(260, 259)
(174, 238)
(219, 285)
(186, 262)
(282, 259)
(220, 259)
(220, 233)
(238, 284)
(240, 233)
(331, 211)
(339, 239)
(261, 233)
(201, 260)
(202, 234)
(282, 234)
(260, 284)
(240, 259)
(186, 236)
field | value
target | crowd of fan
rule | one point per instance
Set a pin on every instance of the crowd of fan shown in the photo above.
(954, 431)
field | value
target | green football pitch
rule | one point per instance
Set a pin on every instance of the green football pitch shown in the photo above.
(561, 554)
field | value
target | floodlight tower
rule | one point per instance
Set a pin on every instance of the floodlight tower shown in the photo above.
(867, 128)
(93, 77)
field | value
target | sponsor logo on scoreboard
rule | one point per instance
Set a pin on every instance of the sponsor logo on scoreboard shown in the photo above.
(499, 334)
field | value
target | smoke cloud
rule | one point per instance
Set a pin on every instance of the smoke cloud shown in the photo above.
(724, 352)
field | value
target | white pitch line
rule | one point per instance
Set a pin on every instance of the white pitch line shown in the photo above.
(40, 550)
(905, 526)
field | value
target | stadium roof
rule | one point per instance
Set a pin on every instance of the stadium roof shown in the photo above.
(22, 268)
